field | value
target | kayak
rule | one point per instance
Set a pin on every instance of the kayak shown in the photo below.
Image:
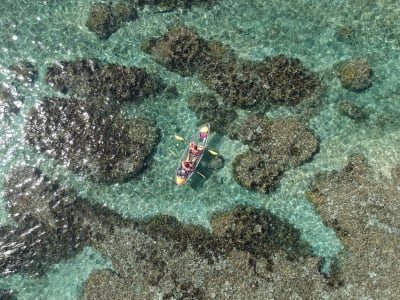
(192, 155)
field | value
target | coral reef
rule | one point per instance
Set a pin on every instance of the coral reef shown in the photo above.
(24, 72)
(249, 251)
(258, 232)
(236, 81)
(173, 260)
(363, 209)
(205, 105)
(215, 163)
(179, 50)
(105, 18)
(49, 225)
(254, 173)
(245, 84)
(7, 295)
(345, 33)
(351, 110)
(92, 138)
(89, 78)
(286, 80)
(354, 74)
(172, 4)
(275, 146)
(10, 100)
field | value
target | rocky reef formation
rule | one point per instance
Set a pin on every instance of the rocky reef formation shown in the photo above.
(49, 225)
(7, 295)
(172, 4)
(236, 81)
(204, 105)
(180, 50)
(105, 18)
(276, 80)
(91, 138)
(258, 232)
(10, 100)
(287, 80)
(86, 78)
(165, 257)
(248, 252)
(275, 146)
(351, 110)
(24, 72)
(364, 212)
(354, 74)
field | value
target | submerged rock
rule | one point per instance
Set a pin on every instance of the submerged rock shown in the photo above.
(250, 252)
(287, 80)
(236, 81)
(363, 209)
(49, 225)
(7, 295)
(105, 18)
(91, 138)
(24, 72)
(52, 223)
(275, 146)
(254, 173)
(88, 78)
(354, 74)
(206, 105)
(351, 110)
(259, 232)
(172, 4)
(179, 50)
(245, 84)
(10, 100)
(173, 260)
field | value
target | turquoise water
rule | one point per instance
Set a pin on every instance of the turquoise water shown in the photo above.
(45, 32)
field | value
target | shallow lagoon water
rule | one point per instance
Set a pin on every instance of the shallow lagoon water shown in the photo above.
(45, 32)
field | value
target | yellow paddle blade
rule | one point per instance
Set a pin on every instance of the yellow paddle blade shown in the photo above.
(179, 138)
(213, 152)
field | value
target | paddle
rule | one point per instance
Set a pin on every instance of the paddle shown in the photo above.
(179, 138)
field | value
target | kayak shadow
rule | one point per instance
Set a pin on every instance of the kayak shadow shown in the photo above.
(202, 173)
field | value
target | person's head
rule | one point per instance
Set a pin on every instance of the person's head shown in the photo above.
(181, 173)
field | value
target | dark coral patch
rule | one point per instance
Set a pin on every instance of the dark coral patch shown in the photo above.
(104, 18)
(236, 81)
(89, 78)
(354, 74)
(48, 227)
(179, 50)
(24, 72)
(287, 80)
(252, 172)
(276, 146)
(91, 138)
(245, 84)
(205, 105)
(258, 232)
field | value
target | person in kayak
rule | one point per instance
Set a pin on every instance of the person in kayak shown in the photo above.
(195, 149)
(187, 165)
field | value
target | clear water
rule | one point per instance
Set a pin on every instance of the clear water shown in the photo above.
(45, 32)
